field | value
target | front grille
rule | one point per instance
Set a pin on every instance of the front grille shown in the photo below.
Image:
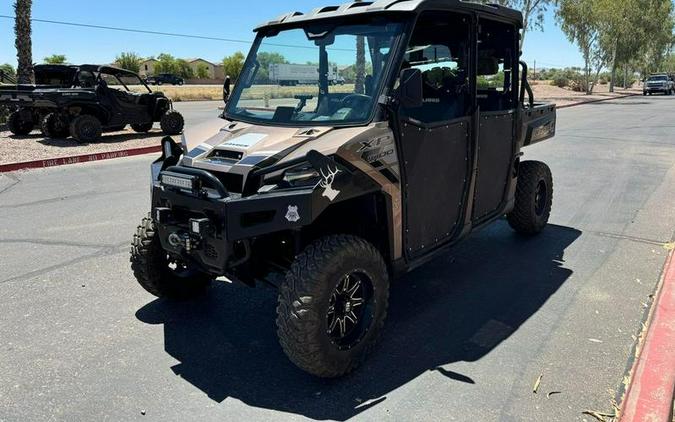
(232, 182)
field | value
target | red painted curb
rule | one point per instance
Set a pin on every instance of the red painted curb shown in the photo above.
(62, 161)
(649, 397)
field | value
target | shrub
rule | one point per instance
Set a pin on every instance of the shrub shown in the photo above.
(4, 114)
(560, 81)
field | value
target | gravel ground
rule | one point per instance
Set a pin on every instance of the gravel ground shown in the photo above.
(563, 96)
(32, 147)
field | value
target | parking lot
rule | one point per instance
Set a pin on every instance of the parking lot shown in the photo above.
(467, 334)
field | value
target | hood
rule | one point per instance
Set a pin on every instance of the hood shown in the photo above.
(242, 144)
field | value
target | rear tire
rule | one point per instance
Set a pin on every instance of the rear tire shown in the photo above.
(142, 127)
(151, 266)
(85, 128)
(54, 126)
(172, 123)
(332, 305)
(534, 198)
(18, 125)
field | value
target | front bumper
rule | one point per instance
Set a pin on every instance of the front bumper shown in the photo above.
(228, 224)
(656, 89)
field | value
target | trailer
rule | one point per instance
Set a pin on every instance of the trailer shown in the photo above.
(286, 74)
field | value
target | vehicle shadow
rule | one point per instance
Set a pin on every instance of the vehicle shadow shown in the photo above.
(456, 308)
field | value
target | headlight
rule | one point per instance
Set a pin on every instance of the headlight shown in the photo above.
(299, 176)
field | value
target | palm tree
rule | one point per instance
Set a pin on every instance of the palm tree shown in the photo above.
(23, 44)
(360, 79)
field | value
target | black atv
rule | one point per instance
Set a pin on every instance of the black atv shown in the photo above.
(98, 100)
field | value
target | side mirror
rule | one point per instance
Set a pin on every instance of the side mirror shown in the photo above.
(411, 88)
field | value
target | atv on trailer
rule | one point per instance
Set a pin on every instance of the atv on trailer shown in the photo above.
(98, 100)
(339, 189)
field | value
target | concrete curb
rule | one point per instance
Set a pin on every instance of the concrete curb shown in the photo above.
(650, 395)
(62, 161)
(85, 158)
(597, 101)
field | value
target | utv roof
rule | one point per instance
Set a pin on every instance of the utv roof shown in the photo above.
(105, 69)
(47, 66)
(393, 6)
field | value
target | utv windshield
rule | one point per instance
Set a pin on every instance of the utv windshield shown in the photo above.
(327, 74)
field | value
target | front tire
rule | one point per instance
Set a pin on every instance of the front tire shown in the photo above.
(159, 274)
(18, 125)
(534, 198)
(85, 128)
(172, 123)
(332, 305)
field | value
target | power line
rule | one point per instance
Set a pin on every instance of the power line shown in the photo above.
(168, 34)
(142, 31)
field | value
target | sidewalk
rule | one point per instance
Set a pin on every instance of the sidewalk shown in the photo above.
(649, 396)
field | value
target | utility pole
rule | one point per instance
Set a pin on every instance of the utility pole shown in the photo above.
(534, 71)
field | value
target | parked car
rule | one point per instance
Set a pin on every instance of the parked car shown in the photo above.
(329, 196)
(659, 83)
(101, 101)
(164, 78)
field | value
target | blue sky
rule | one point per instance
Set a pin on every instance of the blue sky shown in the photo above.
(222, 19)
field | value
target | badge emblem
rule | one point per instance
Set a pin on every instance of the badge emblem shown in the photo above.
(292, 214)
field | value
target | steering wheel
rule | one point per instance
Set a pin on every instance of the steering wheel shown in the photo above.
(354, 100)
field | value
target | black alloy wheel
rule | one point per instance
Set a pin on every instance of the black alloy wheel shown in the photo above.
(350, 310)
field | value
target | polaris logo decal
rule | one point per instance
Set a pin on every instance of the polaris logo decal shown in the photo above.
(292, 214)
(246, 141)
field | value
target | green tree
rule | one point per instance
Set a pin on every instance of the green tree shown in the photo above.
(265, 59)
(581, 23)
(166, 63)
(233, 64)
(183, 69)
(631, 28)
(55, 59)
(202, 71)
(129, 61)
(658, 35)
(8, 69)
(23, 43)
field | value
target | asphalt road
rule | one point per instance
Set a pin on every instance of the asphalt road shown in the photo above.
(198, 112)
(466, 337)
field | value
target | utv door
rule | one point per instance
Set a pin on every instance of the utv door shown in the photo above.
(436, 137)
(497, 98)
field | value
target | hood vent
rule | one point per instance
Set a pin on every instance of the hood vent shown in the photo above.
(307, 132)
(224, 154)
